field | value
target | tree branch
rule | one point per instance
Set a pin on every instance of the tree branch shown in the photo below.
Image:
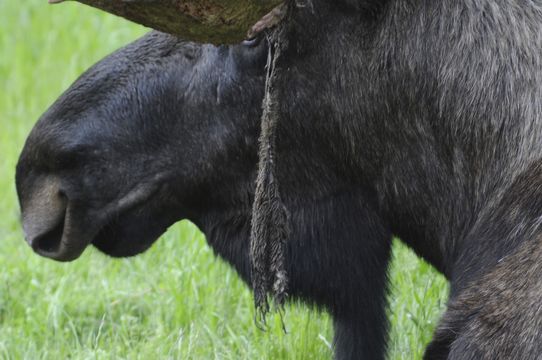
(212, 21)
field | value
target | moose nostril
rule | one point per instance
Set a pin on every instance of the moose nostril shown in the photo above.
(49, 242)
(44, 209)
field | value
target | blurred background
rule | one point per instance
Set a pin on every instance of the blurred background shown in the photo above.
(176, 301)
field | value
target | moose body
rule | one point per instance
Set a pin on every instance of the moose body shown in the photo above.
(420, 119)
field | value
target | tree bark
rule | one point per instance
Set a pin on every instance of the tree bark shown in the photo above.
(210, 21)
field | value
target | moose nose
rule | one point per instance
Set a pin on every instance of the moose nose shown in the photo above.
(43, 216)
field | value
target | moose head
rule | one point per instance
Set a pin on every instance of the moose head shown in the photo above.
(156, 132)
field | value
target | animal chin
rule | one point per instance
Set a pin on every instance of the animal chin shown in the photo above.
(122, 235)
(128, 235)
(61, 230)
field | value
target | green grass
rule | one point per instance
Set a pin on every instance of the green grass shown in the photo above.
(175, 301)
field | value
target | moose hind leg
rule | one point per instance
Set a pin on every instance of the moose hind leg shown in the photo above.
(498, 316)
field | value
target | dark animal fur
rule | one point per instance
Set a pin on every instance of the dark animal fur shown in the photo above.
(269, 228)
(418, 118)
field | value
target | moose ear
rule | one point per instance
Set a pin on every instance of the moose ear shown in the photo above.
(208, 21)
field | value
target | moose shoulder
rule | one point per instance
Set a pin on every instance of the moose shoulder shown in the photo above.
(420, 119)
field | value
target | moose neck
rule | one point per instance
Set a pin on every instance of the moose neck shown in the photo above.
(335, 221)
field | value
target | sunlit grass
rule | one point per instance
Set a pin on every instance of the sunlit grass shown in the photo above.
(177, 300)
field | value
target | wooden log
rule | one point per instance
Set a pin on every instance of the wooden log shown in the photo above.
(208, 21)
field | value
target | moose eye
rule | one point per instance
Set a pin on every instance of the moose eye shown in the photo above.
(250, 54)
(252, 42)
(69, 157)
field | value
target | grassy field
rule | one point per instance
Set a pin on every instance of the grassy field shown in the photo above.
(175, 301)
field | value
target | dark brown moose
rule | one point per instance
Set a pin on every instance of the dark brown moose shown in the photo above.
(415, 118)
